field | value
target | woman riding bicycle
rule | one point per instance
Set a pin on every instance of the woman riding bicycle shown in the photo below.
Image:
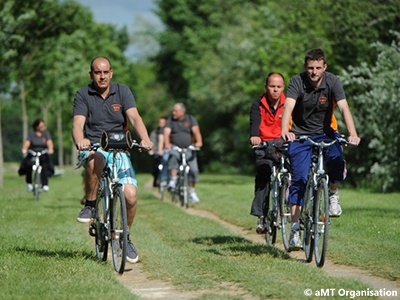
(38, 140)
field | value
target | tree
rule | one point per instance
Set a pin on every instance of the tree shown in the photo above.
(9, 41)
(378, 117)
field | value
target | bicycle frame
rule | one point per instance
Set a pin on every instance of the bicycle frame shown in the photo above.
(37, 171)
(315, 212)
(277, 216)
(109, 222)
(110, 218)
(182, 188)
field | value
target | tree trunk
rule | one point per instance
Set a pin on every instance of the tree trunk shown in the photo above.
(60, 138)
(24, 111)
(1, 154)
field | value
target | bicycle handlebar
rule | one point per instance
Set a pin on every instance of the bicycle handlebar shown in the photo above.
(95, 146)
(277, 143)
(191, 147)
(341, 140)
(37, 153)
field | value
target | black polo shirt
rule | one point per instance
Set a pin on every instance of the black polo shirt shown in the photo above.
(103, 114)
(313, 111)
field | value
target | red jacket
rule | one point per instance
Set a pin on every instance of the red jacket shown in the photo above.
(263, 122)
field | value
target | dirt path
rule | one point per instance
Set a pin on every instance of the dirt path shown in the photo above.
(137, 281)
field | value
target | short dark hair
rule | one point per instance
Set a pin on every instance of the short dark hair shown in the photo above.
(273, 73)
(36, 123)
(103, 57)
(315, 54)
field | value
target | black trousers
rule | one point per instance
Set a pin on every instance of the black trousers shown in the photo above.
(261, 183)
(44, 159)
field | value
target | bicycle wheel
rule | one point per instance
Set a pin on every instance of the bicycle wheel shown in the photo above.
(321, 222)
(36, 183)
(175, 191)
(162, 189)
(271, 215)
(162, 186)
(119, 229)
(99, 225)
(307, 219)
(180, 189)
(185, 189)
(284, 210)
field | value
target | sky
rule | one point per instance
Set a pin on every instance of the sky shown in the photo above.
(120, 13)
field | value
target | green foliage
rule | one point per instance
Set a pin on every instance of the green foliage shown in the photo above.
(375, 100)
(219, 55)
(213, 56)
(53, 43)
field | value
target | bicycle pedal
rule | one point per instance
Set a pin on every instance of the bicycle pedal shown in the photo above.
(92, 230)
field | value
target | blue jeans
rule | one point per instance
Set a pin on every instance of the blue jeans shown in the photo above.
(300, 159)
(164, 161)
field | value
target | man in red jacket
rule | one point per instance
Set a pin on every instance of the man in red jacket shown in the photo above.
(265, 125)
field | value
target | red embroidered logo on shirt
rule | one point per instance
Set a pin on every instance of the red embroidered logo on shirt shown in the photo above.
(322, 100)
(116, 107)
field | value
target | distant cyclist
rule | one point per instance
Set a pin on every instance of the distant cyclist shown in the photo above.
(104, 106)
(157, 137)
(38, 140)
(265, 125)
(182, 130)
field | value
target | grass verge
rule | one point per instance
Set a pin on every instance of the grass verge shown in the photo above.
(45, 253)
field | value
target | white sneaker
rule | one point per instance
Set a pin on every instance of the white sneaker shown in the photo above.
(193, 197)
(334, 206)
(172, 184)
(29, 187)
(295, 238)
(45, 188)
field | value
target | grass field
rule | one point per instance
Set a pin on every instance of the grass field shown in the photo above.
(46, 254)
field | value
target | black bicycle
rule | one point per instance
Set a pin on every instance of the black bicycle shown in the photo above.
(109, 223)
(36, 172)
(276, 209)
(181, 190)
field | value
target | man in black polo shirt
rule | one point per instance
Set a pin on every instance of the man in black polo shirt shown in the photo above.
(310, 101)
(182, 130)
(105, 106)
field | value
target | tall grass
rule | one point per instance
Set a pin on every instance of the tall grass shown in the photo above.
(45, 253)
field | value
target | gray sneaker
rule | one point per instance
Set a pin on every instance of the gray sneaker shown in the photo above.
(295, 238)
(85, 214)
(131, 253)
(334, 206)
